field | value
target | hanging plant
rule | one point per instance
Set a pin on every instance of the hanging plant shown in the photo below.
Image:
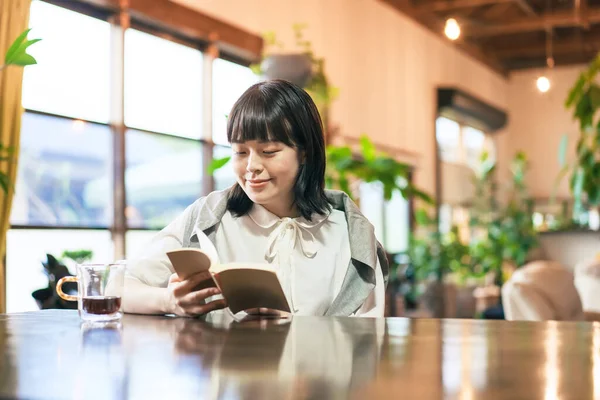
(301, 67)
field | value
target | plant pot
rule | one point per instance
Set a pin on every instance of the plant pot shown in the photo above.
(295, 68)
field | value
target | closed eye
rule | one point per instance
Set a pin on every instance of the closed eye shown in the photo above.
(270, 152)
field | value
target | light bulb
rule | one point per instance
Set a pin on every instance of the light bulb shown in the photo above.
(543, 84)
(452, 29)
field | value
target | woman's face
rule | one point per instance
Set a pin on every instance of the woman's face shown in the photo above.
(267, 172)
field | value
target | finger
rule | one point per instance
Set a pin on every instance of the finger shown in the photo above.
(263, 311)
(174, 278)
(197, 297)
(208, 307)
(184, 287)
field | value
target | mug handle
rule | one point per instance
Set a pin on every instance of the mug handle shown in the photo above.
(59, 290)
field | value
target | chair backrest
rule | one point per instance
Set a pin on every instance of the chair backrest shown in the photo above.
(541, 291)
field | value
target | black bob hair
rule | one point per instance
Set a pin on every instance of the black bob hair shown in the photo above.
(277, 110)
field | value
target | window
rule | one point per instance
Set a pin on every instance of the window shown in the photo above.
(230, 81)
(163, 177)
(163, 85)
(447, 133)
(65, 186)
(72, 74)
(474, 143)
(64, 173)
(459, 149)
(224, 177)
(390, 219)
(461, 144)
(27, 248)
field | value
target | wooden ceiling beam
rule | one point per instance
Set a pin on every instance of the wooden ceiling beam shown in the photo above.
(527, 8)
(543, 22)
(569, 46)
(178, 19)
(436, 25)
(581, 9)
(449, 5)
(567, 59)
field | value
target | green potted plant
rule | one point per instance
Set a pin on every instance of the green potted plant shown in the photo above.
(584, 102)
(504, 234)
(502, 237)
(78, 256)
(300, 66)
(367, 165)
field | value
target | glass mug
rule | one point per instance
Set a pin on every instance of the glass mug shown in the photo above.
(100, 289)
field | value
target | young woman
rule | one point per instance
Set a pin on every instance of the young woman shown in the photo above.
(278, 212)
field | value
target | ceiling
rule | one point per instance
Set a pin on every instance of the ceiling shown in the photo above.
(509, 35)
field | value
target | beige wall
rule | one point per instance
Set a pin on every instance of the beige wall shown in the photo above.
(537, 123)
(386, 66)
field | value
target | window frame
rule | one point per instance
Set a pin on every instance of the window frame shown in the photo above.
(120, 22)
(463, 161)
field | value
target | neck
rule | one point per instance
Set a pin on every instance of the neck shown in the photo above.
(282, 210)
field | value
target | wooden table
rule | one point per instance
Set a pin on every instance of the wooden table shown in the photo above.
(51, 355)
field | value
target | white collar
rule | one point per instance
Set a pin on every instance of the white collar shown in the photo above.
(266, 219)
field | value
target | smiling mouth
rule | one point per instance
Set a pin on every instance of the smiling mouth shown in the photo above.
(257, 182)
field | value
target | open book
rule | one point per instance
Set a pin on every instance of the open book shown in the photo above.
(244, 286)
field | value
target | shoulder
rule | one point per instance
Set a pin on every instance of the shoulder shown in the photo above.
(208, 210)
(357, 222)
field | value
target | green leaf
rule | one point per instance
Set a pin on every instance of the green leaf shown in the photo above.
(422, 195)
(594, 92)
(270, 38)
(4, 182)
(367, 147)
(421, 217)
(20, 53)
(576, 91)
(586, 158)
(388, 191)
(216, 164)
(578, 184)
(584, 111)
(562, 150)
(580, 145)
(23, 60)
(15, 45)
(256, 69)
(592, 188)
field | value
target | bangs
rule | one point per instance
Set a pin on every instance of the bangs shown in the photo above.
(252, 119)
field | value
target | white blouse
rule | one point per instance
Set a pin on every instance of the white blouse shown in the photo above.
(311, 257)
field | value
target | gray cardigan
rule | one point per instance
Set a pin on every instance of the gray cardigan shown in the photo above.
(365, 251)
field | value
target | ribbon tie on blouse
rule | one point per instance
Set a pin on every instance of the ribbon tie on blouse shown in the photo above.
(281, 244)
(289, 227)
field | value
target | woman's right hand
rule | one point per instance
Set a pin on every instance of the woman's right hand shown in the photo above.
(184, 302)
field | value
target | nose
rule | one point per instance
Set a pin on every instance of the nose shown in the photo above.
(254, 164)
